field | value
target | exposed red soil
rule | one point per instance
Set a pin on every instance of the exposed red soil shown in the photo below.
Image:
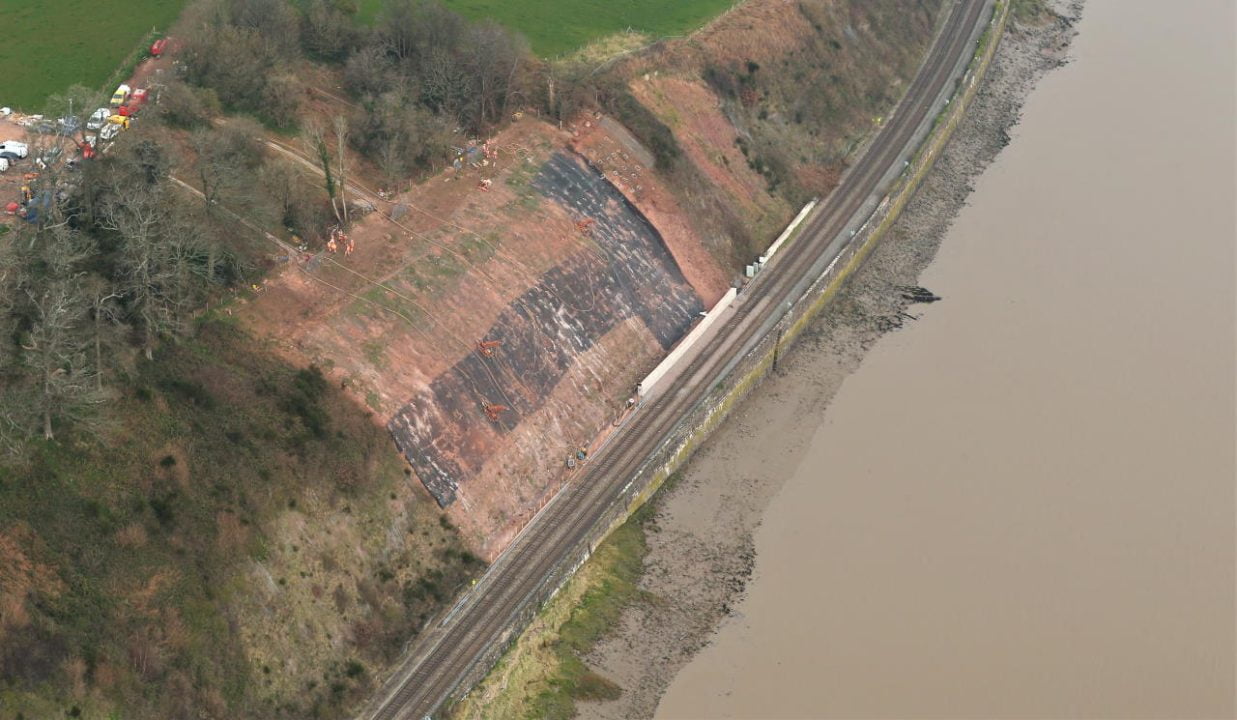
(420, 291)
(610, 148)
(693, 112)
(372, 296)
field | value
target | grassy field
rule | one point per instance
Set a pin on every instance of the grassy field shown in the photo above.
(554, 27)
(53, 44)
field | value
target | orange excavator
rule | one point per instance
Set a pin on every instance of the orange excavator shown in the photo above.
(493, 411)
(486, 347)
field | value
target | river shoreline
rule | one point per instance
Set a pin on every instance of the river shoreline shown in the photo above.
(700, 534)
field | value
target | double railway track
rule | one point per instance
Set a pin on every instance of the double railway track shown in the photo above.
(479, 622)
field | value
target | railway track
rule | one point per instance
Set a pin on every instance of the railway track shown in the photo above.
(446, 652)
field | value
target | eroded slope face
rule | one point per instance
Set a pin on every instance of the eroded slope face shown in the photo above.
(534, 253)
(624, 273)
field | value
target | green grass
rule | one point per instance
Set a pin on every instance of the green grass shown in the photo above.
(53, 44)
(555, 27)
(544, 675)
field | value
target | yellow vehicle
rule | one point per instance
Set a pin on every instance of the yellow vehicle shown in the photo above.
(120, 120)
(121, 94)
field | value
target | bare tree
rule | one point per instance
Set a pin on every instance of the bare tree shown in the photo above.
(341, 142)
(314, 138)
(326, 30)
(226, 159)
(155, 261)
(445, 84)
(55, 347)
(493, 61)
(106, 313)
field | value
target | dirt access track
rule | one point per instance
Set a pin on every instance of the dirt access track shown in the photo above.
(532, 250)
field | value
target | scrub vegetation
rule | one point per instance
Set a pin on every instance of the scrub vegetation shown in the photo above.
(194, 522)
(557, 27)
(544, 674)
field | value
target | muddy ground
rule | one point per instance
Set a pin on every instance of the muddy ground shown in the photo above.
(701, 550)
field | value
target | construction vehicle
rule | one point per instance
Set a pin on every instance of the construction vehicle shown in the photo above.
(158, 46)
(486, 347)
(134, 103)
(493, 411)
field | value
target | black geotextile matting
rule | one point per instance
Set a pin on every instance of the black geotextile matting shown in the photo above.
(444, 431)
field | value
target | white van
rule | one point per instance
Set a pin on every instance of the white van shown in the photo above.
(20, 149)
(98, 118)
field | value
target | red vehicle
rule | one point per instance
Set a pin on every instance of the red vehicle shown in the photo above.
(158, 46)
(134, 103)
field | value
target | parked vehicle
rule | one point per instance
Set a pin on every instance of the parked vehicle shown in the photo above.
(10, 156)
(120, 120)
(109, 131)
(20, 149)
(121, 94)
(98, 118)
(135, 103)
(158, 46)
(4, 165)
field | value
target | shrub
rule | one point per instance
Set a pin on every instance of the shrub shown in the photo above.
(642, 123)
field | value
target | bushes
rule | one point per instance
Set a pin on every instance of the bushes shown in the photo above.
(187, 107)
(241, 51)
(304, 401)
(399, 136)
(652, 132)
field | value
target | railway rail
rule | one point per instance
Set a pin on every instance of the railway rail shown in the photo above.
(479, 623)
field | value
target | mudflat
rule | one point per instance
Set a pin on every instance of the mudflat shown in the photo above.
(1022, 504)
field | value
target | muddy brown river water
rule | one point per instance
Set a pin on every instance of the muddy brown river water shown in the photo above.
(1045, 528)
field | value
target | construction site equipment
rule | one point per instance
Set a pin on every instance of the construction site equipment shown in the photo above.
(98, 118)
(158, 46)
(585, 226)
(486, 347)
(134, 103)
(493, 411)
(20, 149)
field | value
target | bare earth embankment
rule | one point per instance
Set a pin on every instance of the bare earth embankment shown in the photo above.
(700, 534)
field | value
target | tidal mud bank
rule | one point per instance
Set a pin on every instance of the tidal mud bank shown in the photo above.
(700, 538)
